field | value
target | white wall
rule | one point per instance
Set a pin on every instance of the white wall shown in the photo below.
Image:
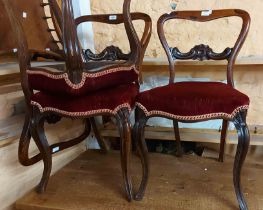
(85, 30)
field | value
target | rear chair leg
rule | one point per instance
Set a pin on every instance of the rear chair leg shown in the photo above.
(223, 140)
(101, 142)
(179, 151)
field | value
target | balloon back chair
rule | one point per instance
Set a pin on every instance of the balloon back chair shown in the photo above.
(76, 92)
(110, 55)
(198, 101)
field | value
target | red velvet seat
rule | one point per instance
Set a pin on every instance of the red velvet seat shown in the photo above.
(53, 82)
(108, 101)
(193, 101)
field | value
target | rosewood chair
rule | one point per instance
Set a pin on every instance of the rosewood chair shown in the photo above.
(111, 54)
(76, 92)
(198, 101)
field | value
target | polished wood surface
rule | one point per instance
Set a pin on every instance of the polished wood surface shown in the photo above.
(187, 183)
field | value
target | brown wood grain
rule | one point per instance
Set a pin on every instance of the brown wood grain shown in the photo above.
(93, 181)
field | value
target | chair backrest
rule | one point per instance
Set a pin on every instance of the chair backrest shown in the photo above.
(36, 26)
(71, 46)
(114, 53)
(203, 52)
(116, 19)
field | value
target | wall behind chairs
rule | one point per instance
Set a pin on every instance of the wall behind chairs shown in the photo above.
(85, 30)
(187, 34)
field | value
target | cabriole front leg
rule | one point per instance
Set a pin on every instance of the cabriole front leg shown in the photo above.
(242, 149)
(38, 134)
(125, 150)
(143, 152)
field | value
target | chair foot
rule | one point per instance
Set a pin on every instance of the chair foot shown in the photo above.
(223, 140)
(37, 131)
(125, 138)
(143, 153)
(242, 149)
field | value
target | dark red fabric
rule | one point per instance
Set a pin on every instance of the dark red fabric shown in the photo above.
(59, 86)
(193, 98)
(104, 99)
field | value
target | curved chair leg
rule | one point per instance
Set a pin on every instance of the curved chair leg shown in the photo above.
(223, 140)
(24, 143)
(242, 148)
(134, 130)
(143, 152)
(179, 151)
(125, 137)
(101, 142)
(37, 131)
(25, 139)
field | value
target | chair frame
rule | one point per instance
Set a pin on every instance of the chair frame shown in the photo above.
(106, 54)
(35, 118)
(201, 52)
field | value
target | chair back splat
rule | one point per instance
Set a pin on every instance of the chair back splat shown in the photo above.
(204, 52)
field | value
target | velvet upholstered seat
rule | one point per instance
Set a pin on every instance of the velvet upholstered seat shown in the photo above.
(193, 101)
(103, 101)
(59, 83)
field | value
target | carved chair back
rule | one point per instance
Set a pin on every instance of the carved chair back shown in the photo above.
(114, 53)
(71, 47)
(204, 52)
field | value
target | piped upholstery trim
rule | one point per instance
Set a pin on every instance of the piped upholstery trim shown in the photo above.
(192, 118)
(85, 75)
(81, 114)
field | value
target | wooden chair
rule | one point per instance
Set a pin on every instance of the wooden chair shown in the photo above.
(110, 55)
(198, 101)
(75, 92)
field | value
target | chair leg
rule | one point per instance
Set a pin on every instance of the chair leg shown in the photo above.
(242, 149)
(134, 131)
(101, 142)
(24, 143)
(179, 151)
(223, 140)
(125, 138)
(37, 131)
(143, 152)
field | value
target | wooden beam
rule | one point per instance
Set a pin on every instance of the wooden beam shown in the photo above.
(187, 134)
